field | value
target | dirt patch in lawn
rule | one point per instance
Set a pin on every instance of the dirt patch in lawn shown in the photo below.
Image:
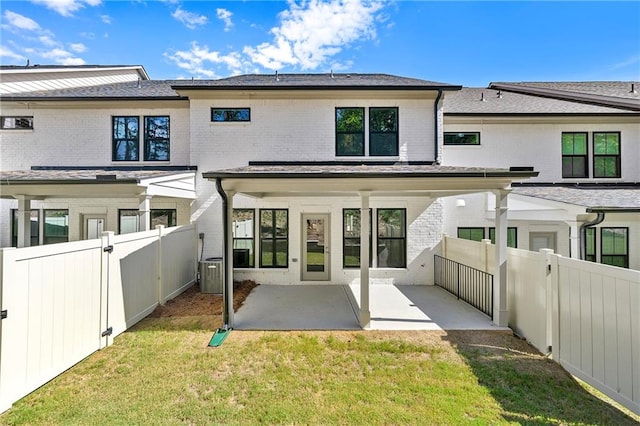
(194, 303)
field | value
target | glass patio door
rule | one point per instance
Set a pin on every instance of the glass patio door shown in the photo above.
(315, 247)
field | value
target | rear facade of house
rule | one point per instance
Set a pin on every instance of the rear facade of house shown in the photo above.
(129, 153)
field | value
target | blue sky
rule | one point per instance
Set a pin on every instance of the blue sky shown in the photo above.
(460, 42)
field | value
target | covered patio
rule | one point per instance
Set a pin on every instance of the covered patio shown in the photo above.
(335, 307)
(364, 181)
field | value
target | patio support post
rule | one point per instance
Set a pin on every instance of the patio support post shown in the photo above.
(500, 314)
(228, 260)
(364, 315)
(574, 240)
(24, 221)
(144, 212)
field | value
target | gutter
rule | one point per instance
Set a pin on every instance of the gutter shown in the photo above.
(583, 233)
(435, 127)
(225, 245)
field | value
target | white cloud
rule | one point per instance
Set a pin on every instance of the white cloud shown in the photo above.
(197, 60)
(66, 7)
(106, 19)
(225, 16)
(312, 32)
(47, 40)
(21, 22)
(189, 19)
(78, 47)
(5, 52)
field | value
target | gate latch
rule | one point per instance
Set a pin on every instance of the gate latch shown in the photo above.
(3, 314)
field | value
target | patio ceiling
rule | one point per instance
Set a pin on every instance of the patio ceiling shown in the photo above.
(300, 180)
(96, 183)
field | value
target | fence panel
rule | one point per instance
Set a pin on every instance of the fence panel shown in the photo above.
(469, 284)
(179, 251)
(599, 327)
(52, 296)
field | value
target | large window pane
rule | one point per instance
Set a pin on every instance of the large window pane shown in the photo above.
(383, 131)
(473, 234)
(128, 221)
(156, 138)
(243, 238)
(16, 123)
(349, 131)
(615, 246)
(392, 245)
(512, 236)
(56, 226)
(351, 238)
(591, 245)
(274, 238)
(166, 217)
(126, 139)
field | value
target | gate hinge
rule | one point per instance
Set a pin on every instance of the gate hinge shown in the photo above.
(108, 249)
(107, 332)
(3, 314)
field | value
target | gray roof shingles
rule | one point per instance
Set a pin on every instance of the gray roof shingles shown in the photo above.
(591, 197)
(75, 175)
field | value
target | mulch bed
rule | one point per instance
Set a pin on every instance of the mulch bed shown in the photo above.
(194, 303)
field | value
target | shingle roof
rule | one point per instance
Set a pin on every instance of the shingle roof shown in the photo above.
(596, 198)
(316, 81)
(470, 101)
(144, 89)
(92, 174)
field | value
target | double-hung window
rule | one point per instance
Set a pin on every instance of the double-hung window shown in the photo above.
(383, 131)
(614, 246)
(574, 155)
(156, 138)
(606, 155)
(392, 238)
(274, 238)
(349, 131)
(126, 138)
(243, 238)
(591, 245)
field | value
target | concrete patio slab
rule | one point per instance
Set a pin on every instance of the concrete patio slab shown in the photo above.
(334, 307)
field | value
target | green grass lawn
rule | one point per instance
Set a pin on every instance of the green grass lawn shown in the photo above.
(162, 372)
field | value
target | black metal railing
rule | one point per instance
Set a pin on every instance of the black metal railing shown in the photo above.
(469, 284)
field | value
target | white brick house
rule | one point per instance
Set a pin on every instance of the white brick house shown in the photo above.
(386, 124)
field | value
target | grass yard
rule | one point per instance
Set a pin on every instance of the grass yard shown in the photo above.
(161, 372)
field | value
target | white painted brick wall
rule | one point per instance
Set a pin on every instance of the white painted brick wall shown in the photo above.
(538, 144)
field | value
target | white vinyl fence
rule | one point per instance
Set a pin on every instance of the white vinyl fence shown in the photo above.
(587, 314)
(62, 302)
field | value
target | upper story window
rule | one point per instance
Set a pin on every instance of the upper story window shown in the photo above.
(383, 131)
(16, 123)
(230, 114)
(156, 138)
(126, 138)
(462, 138)
(574, 155)
(606, 155)
(349, 131)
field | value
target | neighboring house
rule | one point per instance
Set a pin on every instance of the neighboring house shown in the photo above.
(583, 138)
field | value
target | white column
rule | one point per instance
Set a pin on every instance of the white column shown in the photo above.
(24, 221)
(574, 240)
(144, 215)
(500, 314)
(364, 314)
(228, 259)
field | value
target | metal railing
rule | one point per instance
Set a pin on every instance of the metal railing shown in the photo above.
(469, 284)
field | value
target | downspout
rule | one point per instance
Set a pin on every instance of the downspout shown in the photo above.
(435, 127)
(225, 245)
(583, 233)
